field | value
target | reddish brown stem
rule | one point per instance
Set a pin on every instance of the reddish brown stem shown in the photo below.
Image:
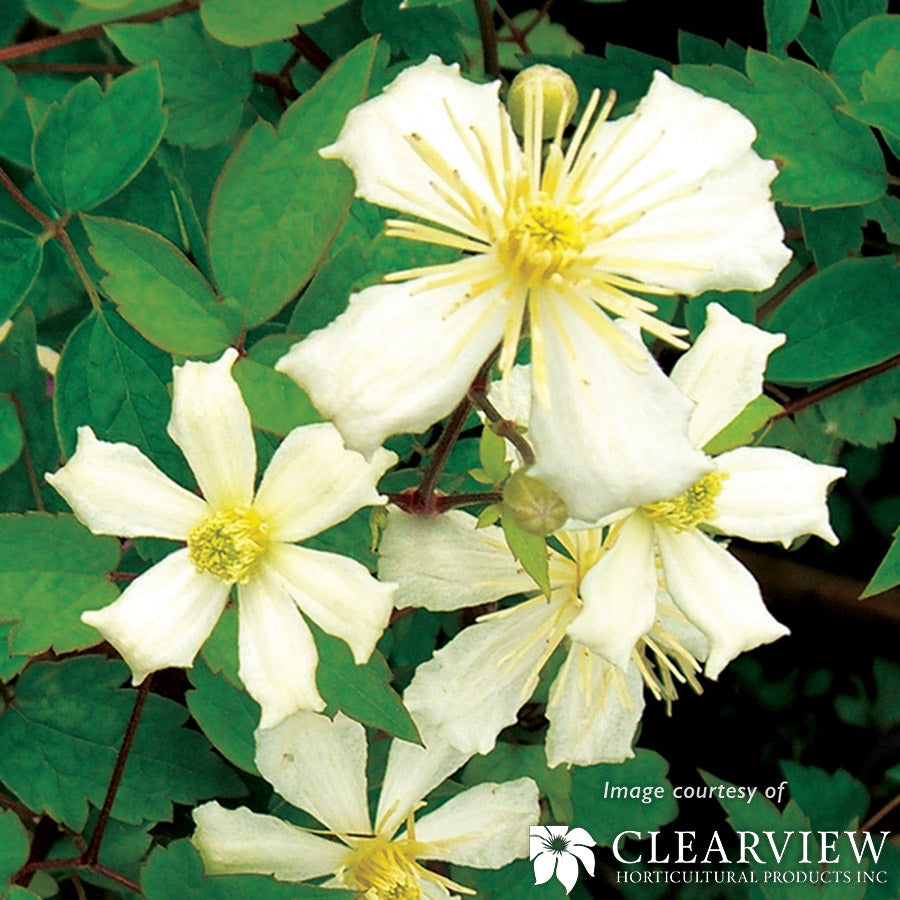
(515, 33)
(488, 38)
(410, 501)
(777, 299)
(311, 51)
(73, 68)
(24, 202)
(27, 461)
(884, 811)
(505, 428)
(537, 18)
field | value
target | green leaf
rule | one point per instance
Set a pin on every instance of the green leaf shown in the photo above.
(745, 427)
(14, 845)
(46, 592)
(221, 648)
(835, 802)
(157, 290)
(492, 454)
(865, 413)
(784, 21)
(67, 15)
(276, 402)
(238, 22)
(177, 871)
(205, 82)
(21, 255)
(90, 145)
(12, 438)
(278, 205)
(861, 50)
(829, 332)
(693, 48)
(881, 92)
(605, 815)
(16, 133)
(887, 575)
(60, 737)
(110, 378)
(824, 157)
(833, 234)
(528, 549)
(415, 32)
(361, 692)
(820, 36)
(227, 715)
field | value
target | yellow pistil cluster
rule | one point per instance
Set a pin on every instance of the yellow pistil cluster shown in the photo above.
(691, 507)
(228, 544)
(383, 870)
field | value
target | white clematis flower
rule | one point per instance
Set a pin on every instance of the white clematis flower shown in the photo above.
(671, 199)
(647, 602)
(319, 765)
(233, 537)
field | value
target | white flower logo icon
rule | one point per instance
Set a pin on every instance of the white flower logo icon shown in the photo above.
(555, 851)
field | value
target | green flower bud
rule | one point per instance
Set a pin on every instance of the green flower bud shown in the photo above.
(558, 92)
(535, 507)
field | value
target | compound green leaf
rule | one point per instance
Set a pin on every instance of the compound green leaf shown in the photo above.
(278, 205)
(45, 591)
(204, 81)
(824, 157)
(239, 22)
(21, 255)
(91, 144)
(829, 331)
(158, 291)
(60, 737)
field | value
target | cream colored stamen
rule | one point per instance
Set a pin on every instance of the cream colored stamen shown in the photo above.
(228, 544)
(690, 508)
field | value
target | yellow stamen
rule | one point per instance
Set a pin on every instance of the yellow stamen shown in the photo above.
(691, 507)
(228, 544)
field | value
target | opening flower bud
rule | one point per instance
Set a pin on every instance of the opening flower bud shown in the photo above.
(535, 507)
(544, 88)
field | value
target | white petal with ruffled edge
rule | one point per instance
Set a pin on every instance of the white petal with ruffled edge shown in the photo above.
(485, 827)
(717, 594)
(293, 756)
(593, 710)
(723, 371)
(234, 841)
(163, 617)
(683, 171)
(337, 593)
(314, 482)
(612, 437)
(211, 424)
(619, 594)
(114, 489)
(443, 562)
(773, 495)
(277, 652)
(401, 356)
(421, 105)
(472, 688)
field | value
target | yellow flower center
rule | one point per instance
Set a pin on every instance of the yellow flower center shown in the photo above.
(691, 507)
(383, 870)
(543, 241)
(228, 544)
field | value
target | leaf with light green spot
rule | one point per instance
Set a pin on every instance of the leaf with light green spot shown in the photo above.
(887, 575)
(60, 737)
(278, 205)
(744, 429)
(205, 82)
(90, 145)
(529, 549)
(829, 332)
(238, 22)
(824, 157)
(157, 291)
(12, 438)
(45, 593)
(21, 255)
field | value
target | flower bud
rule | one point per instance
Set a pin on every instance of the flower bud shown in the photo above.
(558, 93)
(535, 507)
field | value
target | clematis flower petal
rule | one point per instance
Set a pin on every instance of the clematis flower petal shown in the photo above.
(277, 652)
(485, 827)
(567, 871)
(293, 755)
(694, 197)
(619, 594)
(401, 356)
(611, 436)
(211, 424)
(773, 495)
(580, 837)
(723, 371)
(443, 562)
(544, 867)
(337, 593)
(593, 710)
(114, 489)
(233, 841)
(428, 105)
(473, 687)
(585, 855)
(717, 594)
(163, 617)
(314, 482)
(413, 771)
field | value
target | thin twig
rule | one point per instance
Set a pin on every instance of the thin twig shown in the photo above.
(27, 460)
(20, 808)
(505, 428)
(777, 299)
(73, 68)
(310, 50)
(442, 449)
(884, 811)
(829, 390)
(25, 203)
(63, 237)
(92, 31)
(79, 887)
(537, 18)
(90, 855)
(488, 38)
(515, 33)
